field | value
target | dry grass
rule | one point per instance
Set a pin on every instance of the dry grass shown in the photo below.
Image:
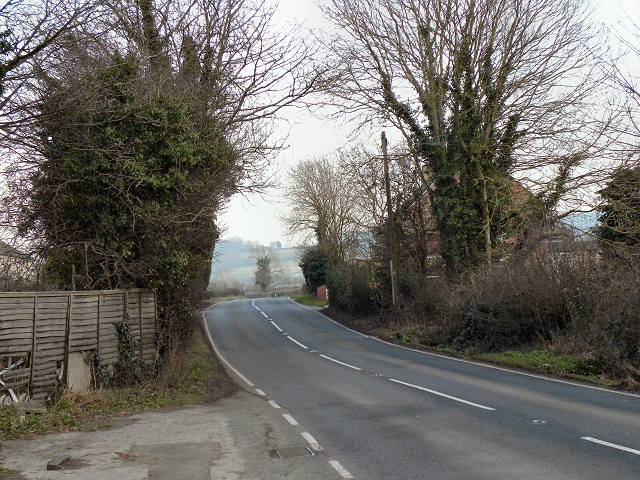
(574, 315)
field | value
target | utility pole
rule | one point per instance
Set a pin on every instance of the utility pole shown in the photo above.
(393, 257)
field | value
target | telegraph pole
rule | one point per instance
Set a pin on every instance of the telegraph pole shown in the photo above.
(393, 257)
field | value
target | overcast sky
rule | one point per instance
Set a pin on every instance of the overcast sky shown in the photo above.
(255, 218)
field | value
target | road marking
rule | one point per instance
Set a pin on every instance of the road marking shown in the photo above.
(612, 445)
(274, 324)
(312, 441)
(222, 359)
(260, 392)
(297, 342)
(340, 469)
(470, 362)
(339, 362)
(434, 392)
(289, 419)
(273, 404)
(264, 314)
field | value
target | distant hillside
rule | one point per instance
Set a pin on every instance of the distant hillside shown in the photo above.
(232, 263)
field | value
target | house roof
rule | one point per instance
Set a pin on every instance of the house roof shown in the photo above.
(7, 250)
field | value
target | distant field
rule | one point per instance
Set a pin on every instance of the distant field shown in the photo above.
(233, 263)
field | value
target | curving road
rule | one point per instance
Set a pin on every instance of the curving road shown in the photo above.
(378, 411)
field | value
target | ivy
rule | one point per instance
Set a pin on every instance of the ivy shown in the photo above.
(618, 226)
(128, 188)
(128, 370)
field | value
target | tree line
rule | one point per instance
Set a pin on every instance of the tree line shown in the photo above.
(126, 126)
(512, 116)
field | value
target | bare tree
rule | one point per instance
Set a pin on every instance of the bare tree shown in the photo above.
(268, 266)
(362, 169)
(483, 90)
(31, 31)
(623, 78)
(324, 207)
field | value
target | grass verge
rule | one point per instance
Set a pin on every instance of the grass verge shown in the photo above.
(536, 361)
(309, 300)
(544, 361)
(191, 376)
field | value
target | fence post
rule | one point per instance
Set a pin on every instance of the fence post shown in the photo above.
(98, 329)
(125, 310)
(155, 322)
(67, 339)
(140, 319)
(34, 343)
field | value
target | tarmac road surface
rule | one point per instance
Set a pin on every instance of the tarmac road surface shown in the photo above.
(384, 412)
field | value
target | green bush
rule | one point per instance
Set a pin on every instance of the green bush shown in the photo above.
(350, 289)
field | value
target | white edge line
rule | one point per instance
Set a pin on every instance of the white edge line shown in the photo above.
(462, 360)
(222, 359)
(264, 314)
(312, 441)
(339, 362)
(434, 392)
(290, 419)
(340, 469)
(297, 342)
(274, 324)
(337, 323)
(273, 404)
(612, 445)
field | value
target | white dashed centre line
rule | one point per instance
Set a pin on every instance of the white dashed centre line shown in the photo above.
(339, 362)
(440, 394)
(312, 441)
(297, 342)
(612, 445)
(274, 324)
(273, 404)
(340, 469)
(290, 419)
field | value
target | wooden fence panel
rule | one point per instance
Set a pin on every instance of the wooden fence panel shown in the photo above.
(44, 328)
(18, 317)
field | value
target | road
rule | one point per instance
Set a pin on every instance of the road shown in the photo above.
(379, 411)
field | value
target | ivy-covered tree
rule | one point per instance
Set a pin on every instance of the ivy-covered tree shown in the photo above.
(619, 214)
(128, 186)
(144, 118)
(314, 264)
(483, 91)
